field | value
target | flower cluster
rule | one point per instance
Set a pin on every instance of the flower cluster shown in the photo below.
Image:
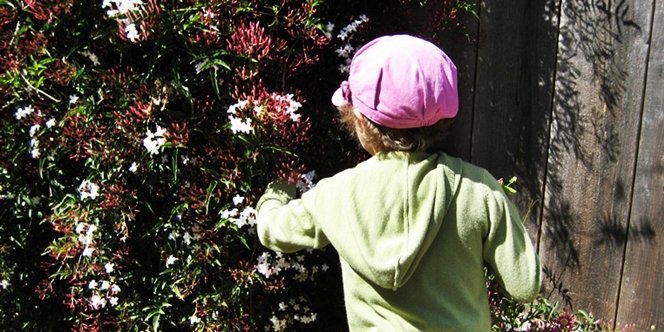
(299, 312)
(294, 310)
(130, 16)
(246, 217)
(23, 112)
(346, 50)
(306, 181)
(85, 236)
(125, 177)
(105, 292)
(270, 265)
(238, 124)
(154, 141)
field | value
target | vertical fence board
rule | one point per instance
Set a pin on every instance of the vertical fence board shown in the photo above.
(599, 84)
(642, 293)
(516, 62)
(463, 51)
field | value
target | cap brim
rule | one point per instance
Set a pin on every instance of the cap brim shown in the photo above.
(338, 98)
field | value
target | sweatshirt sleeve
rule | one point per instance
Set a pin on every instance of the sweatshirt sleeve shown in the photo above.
(509, 251)
(283, 222)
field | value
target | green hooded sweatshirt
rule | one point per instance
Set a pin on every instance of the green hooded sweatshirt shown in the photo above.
(413, 232)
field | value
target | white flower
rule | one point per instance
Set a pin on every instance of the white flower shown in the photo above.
(23, 112)
(248, 215)
(92, 57)
(329, 27)
(239, 125)
(121, 7)
(258, 110)
(115, 289)
(263, 257)
(33, 129)
(86, 239)
(237, 106)
(328, 30)
(97, 302)
(237, 199)
(306, 181)
(278, 324)
(92, 284)
(34, 153)
(264, 266)
(88, 189)
(124, 6)
(244, 218)
(4, 284)
(308, 319)
(186, 238)
(81, 227)
(91, 229)
(264, 269)
(50, 123)
(228, 214)
(132, 33)
(153, 141)
(194, 319)
(108, 267)
(346, 50)
(73, 99)
(105, 285)
(113, 301)
(293, 105)
(170, 260)
(134, 167)
(87, 252)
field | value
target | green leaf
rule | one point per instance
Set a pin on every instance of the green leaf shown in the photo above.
(210, 190)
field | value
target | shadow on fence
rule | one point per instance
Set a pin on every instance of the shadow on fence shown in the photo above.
(589, 87)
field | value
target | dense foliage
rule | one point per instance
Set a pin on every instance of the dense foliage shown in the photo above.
(135, 137)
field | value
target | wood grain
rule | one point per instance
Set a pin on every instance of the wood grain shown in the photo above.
(516, 62)
(463, 51)
(600, 74)
(642, 293)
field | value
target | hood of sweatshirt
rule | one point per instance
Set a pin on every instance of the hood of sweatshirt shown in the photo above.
(392, 208)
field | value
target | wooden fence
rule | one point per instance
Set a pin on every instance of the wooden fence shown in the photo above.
(569, 97)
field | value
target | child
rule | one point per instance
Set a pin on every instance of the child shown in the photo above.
(413, 229)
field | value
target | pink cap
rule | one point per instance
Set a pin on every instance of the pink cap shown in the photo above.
(401, 82)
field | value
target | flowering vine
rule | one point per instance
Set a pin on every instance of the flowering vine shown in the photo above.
(135, 139)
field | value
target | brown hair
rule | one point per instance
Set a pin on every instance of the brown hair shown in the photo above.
(386, 139)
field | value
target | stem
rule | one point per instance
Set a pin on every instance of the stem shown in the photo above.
(39, 91)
